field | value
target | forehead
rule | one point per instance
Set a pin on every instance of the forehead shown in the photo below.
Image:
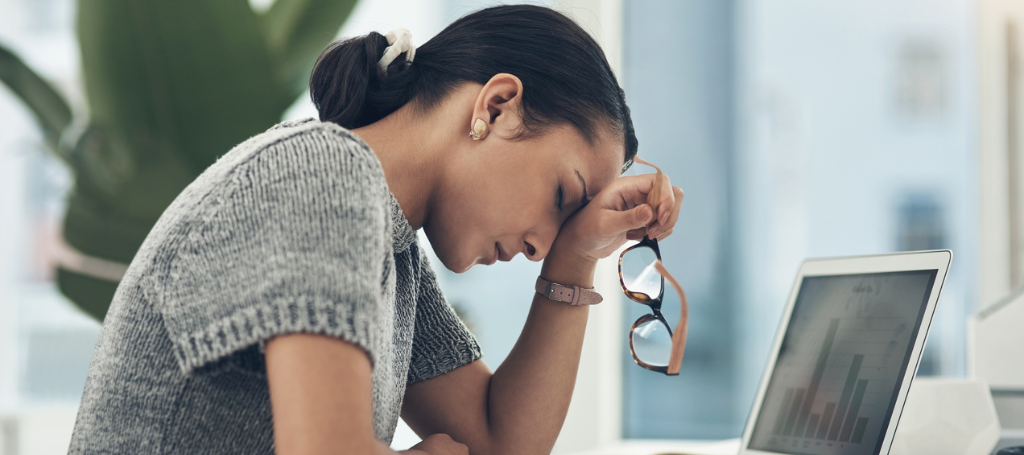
(599, 161)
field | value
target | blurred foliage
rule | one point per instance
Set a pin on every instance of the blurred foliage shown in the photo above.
(171, 85)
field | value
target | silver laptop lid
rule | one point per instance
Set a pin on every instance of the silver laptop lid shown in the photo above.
(847, 348)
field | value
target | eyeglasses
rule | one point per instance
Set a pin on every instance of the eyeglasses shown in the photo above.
(653, 343)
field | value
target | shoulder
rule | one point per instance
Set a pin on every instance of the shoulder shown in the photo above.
(311, 142)
(305, 151)
(332, 134)
(283, 188)
(309, 159)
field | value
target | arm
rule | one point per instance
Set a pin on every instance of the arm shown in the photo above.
(520, 408)
(320, 393)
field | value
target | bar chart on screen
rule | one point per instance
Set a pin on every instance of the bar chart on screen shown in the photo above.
(843, 354)
(818, 411)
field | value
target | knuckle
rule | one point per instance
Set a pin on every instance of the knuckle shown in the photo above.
(639, 213)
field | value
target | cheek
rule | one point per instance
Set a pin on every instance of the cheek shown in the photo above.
(498, 205)
(469, 217)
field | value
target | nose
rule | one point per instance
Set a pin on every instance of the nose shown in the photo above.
(537, 246)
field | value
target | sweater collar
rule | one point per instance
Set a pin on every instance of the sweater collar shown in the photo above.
(402, 234)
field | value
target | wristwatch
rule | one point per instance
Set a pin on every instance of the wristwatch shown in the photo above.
(573, 295)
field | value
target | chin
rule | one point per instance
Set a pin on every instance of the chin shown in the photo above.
(454, 262)
(448, 252)
(459, 266)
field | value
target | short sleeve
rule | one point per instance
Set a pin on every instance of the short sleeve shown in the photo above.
(441, 341)
(293, 239)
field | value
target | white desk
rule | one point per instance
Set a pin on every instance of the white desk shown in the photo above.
(668, 447)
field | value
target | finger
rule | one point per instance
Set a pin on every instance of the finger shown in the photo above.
(671, 215)
(636, 234)
(627, 192)
(627, 220)
(667, 202)
(671, 223)
(665, 234)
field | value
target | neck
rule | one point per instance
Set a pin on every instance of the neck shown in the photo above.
(412, 148)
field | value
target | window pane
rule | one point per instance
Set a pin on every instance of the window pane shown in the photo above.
(677, 74)
(800, 130)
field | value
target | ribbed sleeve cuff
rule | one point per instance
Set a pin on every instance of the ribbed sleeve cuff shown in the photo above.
(251, 325)
(444, 354)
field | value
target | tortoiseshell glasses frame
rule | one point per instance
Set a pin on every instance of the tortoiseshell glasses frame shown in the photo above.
(654, 303)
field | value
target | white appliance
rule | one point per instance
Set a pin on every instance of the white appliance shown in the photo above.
(995, 353)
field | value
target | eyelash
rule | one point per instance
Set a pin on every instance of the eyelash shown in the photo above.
(561, 196)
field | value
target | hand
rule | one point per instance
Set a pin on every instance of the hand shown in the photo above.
(438, 444)
(618, 213)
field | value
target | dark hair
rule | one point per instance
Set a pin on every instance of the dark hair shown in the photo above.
(565, 75)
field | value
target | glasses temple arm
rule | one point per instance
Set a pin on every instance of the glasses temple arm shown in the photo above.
(655, 195)
(679, 335)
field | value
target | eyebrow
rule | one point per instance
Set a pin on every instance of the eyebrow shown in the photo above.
(586, 198)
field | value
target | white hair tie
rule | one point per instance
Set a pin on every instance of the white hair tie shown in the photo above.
(399, 41)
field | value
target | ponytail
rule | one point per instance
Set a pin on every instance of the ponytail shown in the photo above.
(348, 88)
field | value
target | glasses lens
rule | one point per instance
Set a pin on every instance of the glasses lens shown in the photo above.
(639, 274)
(652, 342)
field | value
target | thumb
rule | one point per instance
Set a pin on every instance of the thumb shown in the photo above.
(637, 217)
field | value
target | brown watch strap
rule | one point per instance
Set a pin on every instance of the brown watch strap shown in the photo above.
(573, 295)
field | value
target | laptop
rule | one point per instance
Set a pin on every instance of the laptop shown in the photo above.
(847, 348)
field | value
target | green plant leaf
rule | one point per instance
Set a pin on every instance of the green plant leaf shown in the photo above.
(91, 295)
(47, 105)
(130, 183)
(296, 32)
(171, 87)
(95, 229)
(194, 77)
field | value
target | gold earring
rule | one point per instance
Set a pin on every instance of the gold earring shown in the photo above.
(479, 130)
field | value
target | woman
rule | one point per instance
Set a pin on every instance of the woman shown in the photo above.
(282, 301)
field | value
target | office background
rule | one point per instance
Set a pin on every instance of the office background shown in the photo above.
(796, 127)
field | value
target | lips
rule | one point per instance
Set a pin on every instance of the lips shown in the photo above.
(497, 254)
(502, 255)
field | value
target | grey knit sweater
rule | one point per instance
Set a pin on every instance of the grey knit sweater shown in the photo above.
(293, 230)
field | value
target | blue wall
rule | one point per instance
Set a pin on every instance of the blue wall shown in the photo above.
(678, 76)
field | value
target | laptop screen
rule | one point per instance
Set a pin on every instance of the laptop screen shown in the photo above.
(844, 354)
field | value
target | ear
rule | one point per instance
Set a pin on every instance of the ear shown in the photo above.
(498, 104)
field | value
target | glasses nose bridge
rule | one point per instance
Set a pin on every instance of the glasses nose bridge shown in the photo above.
(642, 297)
(639, 297)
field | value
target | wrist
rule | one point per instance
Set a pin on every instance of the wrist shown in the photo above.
(569, 268)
